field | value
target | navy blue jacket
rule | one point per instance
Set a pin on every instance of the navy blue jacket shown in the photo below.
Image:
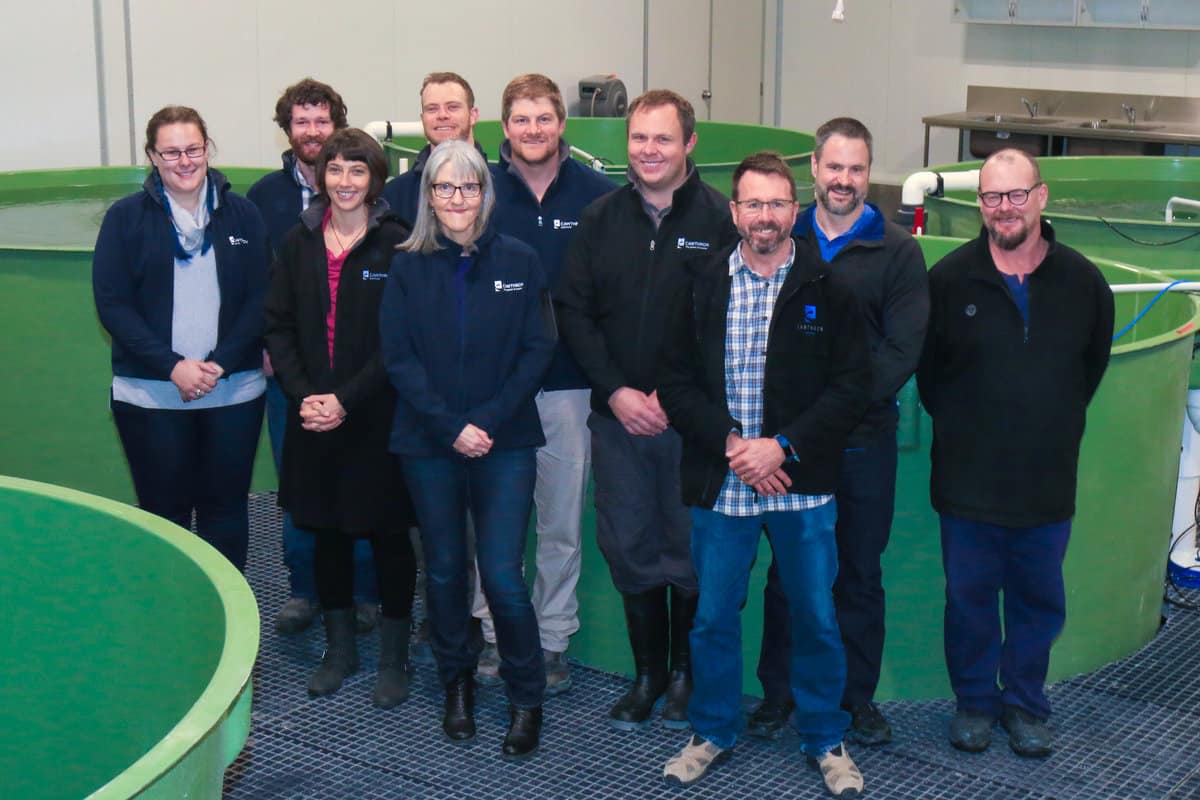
(404, 191)
(886, 269)
(481, 365)
(547, 227)
(133, 281)
(277, 196)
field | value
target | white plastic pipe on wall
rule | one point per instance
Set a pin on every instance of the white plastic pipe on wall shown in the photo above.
(1179, 201)
(919, 184)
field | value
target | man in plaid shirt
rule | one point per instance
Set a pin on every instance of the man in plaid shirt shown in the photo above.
(765, 371)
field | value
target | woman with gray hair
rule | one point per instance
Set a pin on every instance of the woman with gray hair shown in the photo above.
(467, 332)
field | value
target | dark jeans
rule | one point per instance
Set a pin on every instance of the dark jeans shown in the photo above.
(185, 461)
(1025, 564)
(394, 564)
(866, 498)
(298, 543)
(498, 491)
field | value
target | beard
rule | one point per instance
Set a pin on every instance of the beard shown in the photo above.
(1008, 241)
(835, 204)
(303, 144)
(765, 238)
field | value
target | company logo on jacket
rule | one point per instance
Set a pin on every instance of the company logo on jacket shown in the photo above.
(565, 224)
(374, 276)
(501, 286)
(684, 243)
(236, 240)
(810, 325)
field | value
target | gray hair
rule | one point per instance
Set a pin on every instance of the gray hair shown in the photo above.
(465, 161)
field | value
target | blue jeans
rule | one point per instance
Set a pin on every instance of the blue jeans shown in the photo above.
(723, 550)
(981, 562)
(498, 491)
(866, 498)
(195, 460)
(299, 544)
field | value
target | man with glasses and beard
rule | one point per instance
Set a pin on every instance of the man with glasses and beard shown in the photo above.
(307, 112)
(1020, 331)
(765, 370)
(886, 270)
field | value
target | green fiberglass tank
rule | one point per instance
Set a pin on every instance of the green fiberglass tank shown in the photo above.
(1112, 207)
(128, 651)
(720, 146)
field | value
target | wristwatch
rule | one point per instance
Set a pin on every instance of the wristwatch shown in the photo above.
(788, 451)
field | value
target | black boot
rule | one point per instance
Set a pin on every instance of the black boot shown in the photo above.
(340, 660)
(646, 618)
(524, 730)
(679, 683)
(391, 686)
(458, 721)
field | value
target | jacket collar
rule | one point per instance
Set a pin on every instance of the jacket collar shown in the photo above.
(872, 234)
(216, 180)
(312, 216)
(682, 197)
(983, 267)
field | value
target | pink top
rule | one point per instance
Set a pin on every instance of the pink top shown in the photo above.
(335, 275)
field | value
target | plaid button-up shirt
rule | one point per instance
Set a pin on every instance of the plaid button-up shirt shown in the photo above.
(748, 321)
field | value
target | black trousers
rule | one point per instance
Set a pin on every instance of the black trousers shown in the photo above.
(866, 500)
(395, 568)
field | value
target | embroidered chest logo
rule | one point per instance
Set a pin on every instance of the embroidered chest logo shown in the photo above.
(684, 243)
(811, 325)
(367, 275)
(236, 240)
(565, 224)
(501, 286)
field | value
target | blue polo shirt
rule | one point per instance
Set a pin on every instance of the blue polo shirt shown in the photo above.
(831, 247)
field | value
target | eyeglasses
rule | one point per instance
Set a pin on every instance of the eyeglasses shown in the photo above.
(1015, 196)
(758, 206)
(194, 152)
(447, 190)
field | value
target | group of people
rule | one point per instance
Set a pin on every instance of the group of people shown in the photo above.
(446, 350)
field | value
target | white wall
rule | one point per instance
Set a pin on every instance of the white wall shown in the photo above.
(232, 62)
(895, 61)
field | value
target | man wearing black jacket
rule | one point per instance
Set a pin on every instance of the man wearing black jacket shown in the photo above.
(765, 371)
(622, 265)
(1020, 331)
(885, 268)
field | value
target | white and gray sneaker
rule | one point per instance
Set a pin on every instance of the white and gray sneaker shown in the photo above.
(558, 673)
(693, 762)
(842, 778)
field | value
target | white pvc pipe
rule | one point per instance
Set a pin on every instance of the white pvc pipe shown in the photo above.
(1179, 201)
(919, 184)
(1130, 288)
(386, 129)
(591, 160)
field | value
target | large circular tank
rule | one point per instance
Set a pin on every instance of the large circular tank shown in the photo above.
(720, 146)
(127, 654)
(1112, 207)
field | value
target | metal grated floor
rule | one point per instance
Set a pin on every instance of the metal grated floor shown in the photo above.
(1130, 731)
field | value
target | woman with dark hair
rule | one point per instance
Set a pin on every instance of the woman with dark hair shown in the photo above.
(178, 276)
(337, 477)
(467, 335)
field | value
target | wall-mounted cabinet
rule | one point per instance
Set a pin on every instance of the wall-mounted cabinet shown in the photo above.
(1164, 14)
(1150, 14)
(1016, 12)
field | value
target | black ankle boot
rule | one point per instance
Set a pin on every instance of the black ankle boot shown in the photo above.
(340, 660)
(524, 731)
(646, 618)
(679, 683)
(391, 686)
(458, 721)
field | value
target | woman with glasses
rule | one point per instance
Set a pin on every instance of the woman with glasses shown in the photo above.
(468, 332)
(337, 478)
(179, 274)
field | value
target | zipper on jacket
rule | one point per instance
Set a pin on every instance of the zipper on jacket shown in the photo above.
(651, 245)
(539, 220)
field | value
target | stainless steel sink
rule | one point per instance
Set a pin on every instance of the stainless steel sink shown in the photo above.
(1103, 124)
(1016, 119)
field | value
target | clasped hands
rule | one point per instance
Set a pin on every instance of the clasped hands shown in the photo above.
(758, 463)
(194, 379)
(321, 412)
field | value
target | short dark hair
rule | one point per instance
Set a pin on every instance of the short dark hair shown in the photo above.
(449, 77)
(309, 92)
(768, 162)
(665, 97)
(844, 126)
(531, 87)
(352, 144)
(1011, 154)
(172, 115)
